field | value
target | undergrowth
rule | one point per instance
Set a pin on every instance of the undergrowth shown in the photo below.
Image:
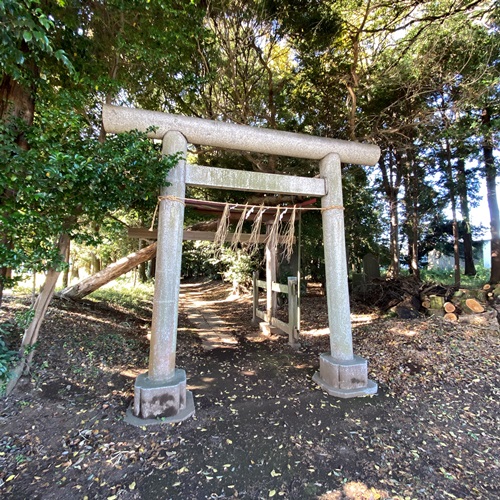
(8, 356)
(125, 293)
(447, 277)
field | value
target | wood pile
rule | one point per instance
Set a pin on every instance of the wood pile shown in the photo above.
(474, 307)
(408, 298)
(400, 296)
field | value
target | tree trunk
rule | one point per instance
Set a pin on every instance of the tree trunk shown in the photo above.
(5, 272)
(142, 266)
(75, 272)
(152, 268)
(65, 280)
(391, 181)
(95, 264)
(453, 201)
(92, 283)
(412, 215)
(40, 308)
(394, 243)
(470, 268)
(17, 102)
(491, 181)
(43, 300)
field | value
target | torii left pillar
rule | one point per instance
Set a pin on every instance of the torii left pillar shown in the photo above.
(161, 393)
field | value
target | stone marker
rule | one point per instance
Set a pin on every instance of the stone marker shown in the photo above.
(371, 268)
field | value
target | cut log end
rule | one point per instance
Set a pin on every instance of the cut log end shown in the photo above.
(450, 316)
(449, 307)
(474, 306)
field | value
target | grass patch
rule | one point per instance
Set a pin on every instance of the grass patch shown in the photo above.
(447, 277)
(123, 293)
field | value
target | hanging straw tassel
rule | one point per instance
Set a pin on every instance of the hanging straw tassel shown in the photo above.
(222, 230)
(289, 236)
(272, 237)
(253, 241)
(239, 229)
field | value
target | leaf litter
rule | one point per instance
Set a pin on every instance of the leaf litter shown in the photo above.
(262, 428)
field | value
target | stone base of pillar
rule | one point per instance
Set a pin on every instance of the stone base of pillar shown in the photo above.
(160, 402)
(344, 379)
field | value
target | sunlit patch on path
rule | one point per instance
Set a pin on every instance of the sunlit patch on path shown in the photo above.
(356, 320)
(212, 330)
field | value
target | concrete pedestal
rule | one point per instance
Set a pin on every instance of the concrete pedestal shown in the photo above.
(168, 400)
(344, 379)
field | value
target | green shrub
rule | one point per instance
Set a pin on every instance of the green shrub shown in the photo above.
(8, 357)
(447, 277)
(198, 260)
(237, 267)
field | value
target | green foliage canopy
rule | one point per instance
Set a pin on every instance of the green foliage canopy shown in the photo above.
(68, 179)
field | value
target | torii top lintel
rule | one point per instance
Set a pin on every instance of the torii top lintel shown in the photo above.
(223, 135)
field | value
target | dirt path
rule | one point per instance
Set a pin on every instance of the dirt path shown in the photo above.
(210, 328)
(262, 428)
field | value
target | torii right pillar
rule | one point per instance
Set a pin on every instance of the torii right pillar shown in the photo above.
(341, 373)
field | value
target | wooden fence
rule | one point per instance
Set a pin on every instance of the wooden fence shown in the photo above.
(292, 328)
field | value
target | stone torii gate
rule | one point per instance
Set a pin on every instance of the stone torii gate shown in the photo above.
(161, 392)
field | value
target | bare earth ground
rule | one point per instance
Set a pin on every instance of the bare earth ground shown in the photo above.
(262, 428)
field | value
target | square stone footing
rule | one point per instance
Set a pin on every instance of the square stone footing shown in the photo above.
(344, 379)
(187, 412)
(159, 402)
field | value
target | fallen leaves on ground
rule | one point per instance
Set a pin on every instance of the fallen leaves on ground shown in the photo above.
(262, 428)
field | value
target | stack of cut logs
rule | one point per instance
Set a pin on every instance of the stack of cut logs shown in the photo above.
(468, 305)
(408, 297)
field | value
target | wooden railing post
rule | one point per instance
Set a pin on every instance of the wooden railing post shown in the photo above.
(255, 290)
(292, 311)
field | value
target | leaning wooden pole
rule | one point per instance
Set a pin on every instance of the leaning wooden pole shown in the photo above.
(122, 266)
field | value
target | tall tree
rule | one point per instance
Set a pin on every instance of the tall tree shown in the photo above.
(463, 193)
(26, 41)
(490, 173)
(455, 89)
(391, 184)
(426, 89)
